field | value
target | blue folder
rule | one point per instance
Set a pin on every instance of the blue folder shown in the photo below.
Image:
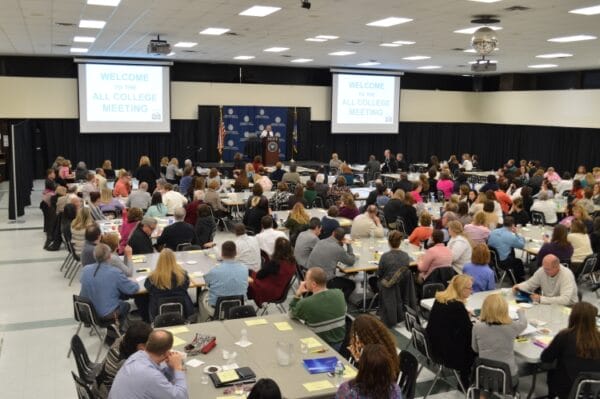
(320, 365)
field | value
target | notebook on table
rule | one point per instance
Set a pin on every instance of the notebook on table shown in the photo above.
(230, 377)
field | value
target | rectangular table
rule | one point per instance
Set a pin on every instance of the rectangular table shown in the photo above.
(261, 356)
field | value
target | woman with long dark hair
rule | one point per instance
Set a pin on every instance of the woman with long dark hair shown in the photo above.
(576, 349)
(375, 379)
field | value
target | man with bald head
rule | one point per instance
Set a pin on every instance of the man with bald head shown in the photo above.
(556, 282)
(139, 198)
(324, 311)
(143, 376)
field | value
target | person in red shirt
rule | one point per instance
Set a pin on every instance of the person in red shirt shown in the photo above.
(504, 199)
(423, 232)
(123, 185)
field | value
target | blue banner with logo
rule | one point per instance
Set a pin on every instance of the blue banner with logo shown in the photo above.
(246, 122)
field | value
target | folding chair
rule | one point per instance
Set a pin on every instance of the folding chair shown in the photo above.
(407, 379)
(279, 301)
(586, 385)
(492, 377)
(83, 390)
(86, 369)
(538, 218)
(224, 303)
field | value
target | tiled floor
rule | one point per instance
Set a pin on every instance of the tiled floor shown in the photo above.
(36, 316)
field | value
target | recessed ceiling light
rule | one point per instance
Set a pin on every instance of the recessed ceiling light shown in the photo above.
(575, 38)
(390, 45)
(486, 1)
(110, 3)
(390, 21)
(430, 67)
(314, 39)
(370, 63)
(417, 58)
(471, 30)
(91, 24)
(214, 31)
(84, 39)
(243, 57)
(302, 60)
(403, 42)
(593, 10)
(185, 44)
(327, 37)
(78, 50)
(542, 66)
(554, 55)
(172, 53)
(483, 62)
(259, 11)
(276, 49)
(342, 53)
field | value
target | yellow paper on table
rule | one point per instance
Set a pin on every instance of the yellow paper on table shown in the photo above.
(283, 326)
(256, 322)
(566, 310)
(227, 376)
(311, 342)
(177, 330)
(196, 251)
(513, 302)
(197, 274)
(178, 341)
(212, 256)
(349, 372)
(228, 397)
(317, 386)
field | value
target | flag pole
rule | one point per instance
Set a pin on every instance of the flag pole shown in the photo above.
(295, 135)
(221, 137)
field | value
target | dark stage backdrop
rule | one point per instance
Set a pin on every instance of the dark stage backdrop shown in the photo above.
(564, 148)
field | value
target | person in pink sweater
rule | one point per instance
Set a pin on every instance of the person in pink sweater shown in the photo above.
(445, 185)
(423, 232)
(435, 257)
(134, 215)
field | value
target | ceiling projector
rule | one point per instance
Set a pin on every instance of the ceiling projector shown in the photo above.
(158, 47)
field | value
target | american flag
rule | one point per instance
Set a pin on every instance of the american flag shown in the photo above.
(221, 138)
(295, 133)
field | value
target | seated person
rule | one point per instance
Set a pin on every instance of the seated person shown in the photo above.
(321, 187)
(558, 245)
(436, 256)
(139, 198)
(505, 239)
(556, 282)
(576, 349)
(266, 238)
(348, 208)
(582, 246)
(324, 311)
(92, 237)
(329, 222)
(168, 280)
(544, 205)
(449, 328)
(139, 240)
(104, 285)
(422, 233)
(142, 376)
(78, 227)
(248, 251)
(338, 189)
(297, 221)
(129, 223)
(367, 224)
(477, 230)
(309, 192)
(205, 228)
(493, 337)
(263, 180)
(277, 174)
(298, 196)
(346, 171)
(269, 283)
(257, 209)
(108, 203)
(228, 278)
(390, 261)
(306, 241)
(191, 209)
(125, 264)
(173, 199)
(122, 185)
(156, 209)
(292, 176)
(484, 278)
(518, 212)
(326, 255)
(94, 205)
(178, 232)
(400, 206)
(459, 245)
(134, 340)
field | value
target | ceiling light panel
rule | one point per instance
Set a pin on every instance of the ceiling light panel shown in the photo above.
(342, 53)
(91, 24)
(593, 10)
(542, 66)
(276, 49)
(390, 45)
(554, 55)
(259, 11)
(244, 57)
(574, 38)
(108, 3)
(185, 44)
(416, 58)
(370, 63)
(302, 60)
(214, 31)
(78, 50)
(390, 21)
(326, 37)
(314, 39)
(84, 39)
(471, 30)
(430, 67)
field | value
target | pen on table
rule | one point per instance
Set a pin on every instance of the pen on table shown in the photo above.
(320, 350)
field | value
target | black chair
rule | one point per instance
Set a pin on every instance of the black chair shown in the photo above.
(440, 275)
(183, 246)
(499, 268)
(407, 379)
(586, 385)
(401, 226)
(430, 289)
(279, 301)
(224, 303)
(421, 343)
(492, 377)
(168, 305)
(241, 312)
(411, 319)
(440, 196)
(87, 369)
(264, 258)
(538, 218)
(83, 390)
(85, 313)
(588, 268)
(188, 247)
(318, 202)
(168, 320)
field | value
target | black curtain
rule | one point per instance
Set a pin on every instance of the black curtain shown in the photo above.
(22, 173)
(208, 131)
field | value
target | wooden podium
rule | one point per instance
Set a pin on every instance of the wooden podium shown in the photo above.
(270, 150)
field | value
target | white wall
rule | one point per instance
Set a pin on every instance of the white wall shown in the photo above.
(57, 98)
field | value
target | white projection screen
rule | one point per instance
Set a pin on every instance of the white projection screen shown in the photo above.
(365, 102)
(115, 97)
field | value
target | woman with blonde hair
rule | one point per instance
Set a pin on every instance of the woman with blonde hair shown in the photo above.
(477, 206)
(173, 172)
(108, 169)
(459, 244)
(108, 203)
(164, 162)
(494, 335)
(168, 280)
(449, 327)
(146, 173)
(78, 225)
(297, 221)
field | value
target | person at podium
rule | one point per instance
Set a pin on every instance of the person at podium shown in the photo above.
(268, 132)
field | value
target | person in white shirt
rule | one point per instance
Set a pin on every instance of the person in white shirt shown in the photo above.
(172, 199)
(367, 224)
(268, 132)
(466, 163)
(580, 240)
(547, 207)
(565, 184)
(557, 283)
(266, 238)
(247, 248)
(459, 245)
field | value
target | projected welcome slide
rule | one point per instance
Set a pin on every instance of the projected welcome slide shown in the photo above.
(123, 98)
(365, 103)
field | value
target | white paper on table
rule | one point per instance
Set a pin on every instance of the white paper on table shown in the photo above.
(140, 278)
(194, 363)
(512, 312)
(231, 366)
(243, 344)
(529, 330)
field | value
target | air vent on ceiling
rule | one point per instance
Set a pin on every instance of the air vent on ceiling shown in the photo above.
(457, 49)
(190, 51)
(62, 45)
(66, 24)
(485, 19)
(354, 42)
(286, 56)
(231, 34)
(517, 8)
